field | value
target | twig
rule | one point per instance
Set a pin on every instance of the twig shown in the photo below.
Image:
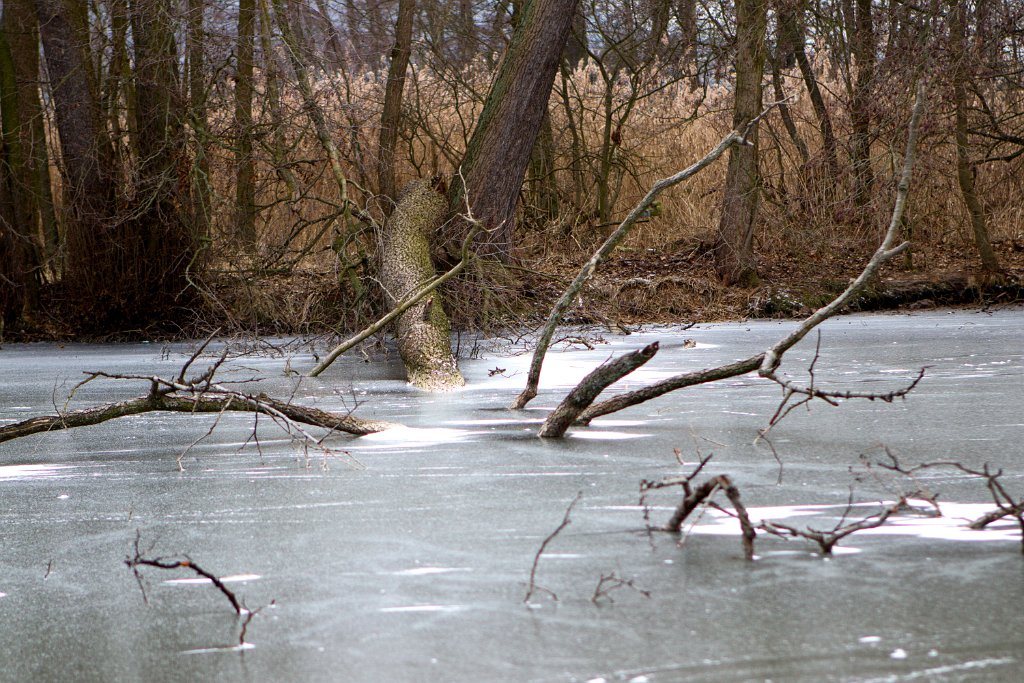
(566, 521)
(828, 539)
(609, 582)
(137, 560)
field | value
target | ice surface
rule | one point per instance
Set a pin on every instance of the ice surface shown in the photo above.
(405, 556)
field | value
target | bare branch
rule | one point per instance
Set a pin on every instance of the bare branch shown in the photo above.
(566, 521)
(609, 582)
(137, 560)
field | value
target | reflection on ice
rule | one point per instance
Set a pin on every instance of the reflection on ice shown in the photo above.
(932, 673)
(214, 650)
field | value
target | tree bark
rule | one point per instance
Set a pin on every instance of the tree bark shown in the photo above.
(21, 262)
(192, 404)
(391, 116)
(166, 242)
(424, 333)
(734, 244)
(499, 151)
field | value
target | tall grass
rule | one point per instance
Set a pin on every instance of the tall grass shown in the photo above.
(804, 212)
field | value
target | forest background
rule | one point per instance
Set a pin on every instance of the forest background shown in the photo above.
(170, 167)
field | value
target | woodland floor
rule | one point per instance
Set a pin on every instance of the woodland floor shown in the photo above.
(671, 284)
(677, 285)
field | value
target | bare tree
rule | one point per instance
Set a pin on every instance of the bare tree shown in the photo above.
(734, 242)
(499, 151)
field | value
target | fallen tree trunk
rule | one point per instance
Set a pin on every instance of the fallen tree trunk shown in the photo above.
(423, 330)
(592, 385)
(159, 402)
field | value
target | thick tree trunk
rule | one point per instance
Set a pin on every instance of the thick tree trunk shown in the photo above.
(93, 238)
(166, 242)
(734, 246)
(21, 264)
(499, 151)
(424, 333)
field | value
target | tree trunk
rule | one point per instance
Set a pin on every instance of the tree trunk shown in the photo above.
(272, 77)
(296, 51)
(20, 275)
(686, 16)
(245, 170)
(391, 116)
(860, 105)
(201, 189)
(791, 32)
(964, 169)
(93, 238)
(499, 151)
(424, 333)
(165, 241)
(734, 247)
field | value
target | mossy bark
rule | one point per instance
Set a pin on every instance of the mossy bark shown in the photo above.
(424, 333)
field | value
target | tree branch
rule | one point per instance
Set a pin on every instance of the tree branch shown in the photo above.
(593, 384)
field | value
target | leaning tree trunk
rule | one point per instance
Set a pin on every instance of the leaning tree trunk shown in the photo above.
(734, 247)
(391, 115)
(791, 31)
(424, 333)
(499, 151)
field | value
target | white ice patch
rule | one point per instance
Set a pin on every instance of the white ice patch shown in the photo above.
(417, 436)
(424, 571)
(423, 608)
(234, 578)
(597, 435)
(952, 526)
(8, 472)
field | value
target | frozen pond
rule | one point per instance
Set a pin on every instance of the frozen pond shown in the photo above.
(405, 556)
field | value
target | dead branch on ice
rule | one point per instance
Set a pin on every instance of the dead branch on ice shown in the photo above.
(566, 521)
(593, 384)
(604, 251)
(767, 363)
(201, 394)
